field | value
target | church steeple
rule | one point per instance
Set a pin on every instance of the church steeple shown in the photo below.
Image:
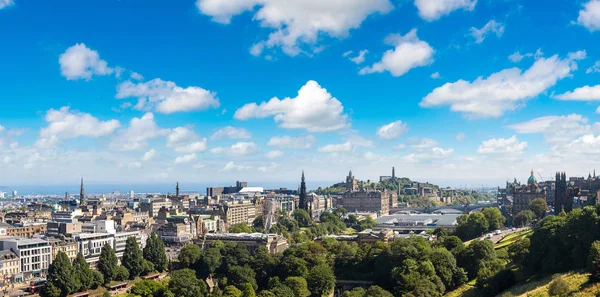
(303, 202)
(82, 194)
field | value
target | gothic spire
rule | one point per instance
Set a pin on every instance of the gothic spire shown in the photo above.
(303, 202)
(82, 194)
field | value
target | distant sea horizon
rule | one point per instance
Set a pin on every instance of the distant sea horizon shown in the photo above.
(104, 188)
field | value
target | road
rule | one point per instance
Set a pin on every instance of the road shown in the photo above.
(495, 238)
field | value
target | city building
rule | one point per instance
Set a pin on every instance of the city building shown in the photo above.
(57, 229)
(35, 255)
(217, 191)
(65, 245)
(10, 265)
(367, 201)
(272, 242)
(351, 183)
(26, 229)
(153, 206)
(522, 195)
(242, 211)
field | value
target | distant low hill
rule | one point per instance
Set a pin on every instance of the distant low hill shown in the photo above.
(463, 196)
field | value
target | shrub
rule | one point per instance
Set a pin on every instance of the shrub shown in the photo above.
(558, 287)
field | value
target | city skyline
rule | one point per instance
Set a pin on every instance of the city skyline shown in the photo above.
(450, 92)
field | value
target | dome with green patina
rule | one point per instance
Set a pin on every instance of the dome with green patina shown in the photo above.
(531, 179)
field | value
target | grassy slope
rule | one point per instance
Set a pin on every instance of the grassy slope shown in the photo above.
(578, 283)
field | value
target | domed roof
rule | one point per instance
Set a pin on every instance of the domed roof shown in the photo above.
(531, 179)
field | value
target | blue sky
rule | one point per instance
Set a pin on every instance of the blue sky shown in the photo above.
(450, 91)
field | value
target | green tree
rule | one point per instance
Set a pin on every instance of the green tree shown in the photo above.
(477, 255)
(248, 291)
(558, 287)
(50, 290)
(453, 244)
(121, 273)
(83, 273)
(62, 275)
(133, 259)
(523, 218)
(107, 264)
(98, 278)
(377, 291)
(321, 280)
(239, 276)
(494, 218)
(155, 252)
(518, 251)
(184, 283)
(147, 288)
(594, 261)
(232, 291)
(538, 206)
(298, 285)
(211, 259)
(446, 269)
(266, 293)
(189, 255)
(356, 292)
(302, 217)
(240, 228)
(264, 265)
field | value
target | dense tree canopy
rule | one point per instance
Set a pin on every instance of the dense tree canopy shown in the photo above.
(133, 260)
(240, 228)
(107, 265)
(183, 283)
(189, 255)
(154, 252)
(539, 207)
(62, 276)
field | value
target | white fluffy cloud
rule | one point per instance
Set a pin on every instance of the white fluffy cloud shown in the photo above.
(409, 52)
(288, 142)
(149, 155)
(80, 62)
(392, 130)
(594, 68)
(589, 16)
(585, 93)
(435, 75)
(502, 91)
(166, 96)
(428, 155)
(184, 140)
(6, 3)
(65, 124)
(231, 166)
(185, 158)
(237, 150)
(139, 131)
(358, 59)
(314, 109)
(422, 143)
(557, 129)
(510, 145)
(491, 27)
(274, 154)
(297, 24)
(337, 148)
(431, 10)
(230, 132)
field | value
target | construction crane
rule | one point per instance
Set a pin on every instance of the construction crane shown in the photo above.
(541, 178)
